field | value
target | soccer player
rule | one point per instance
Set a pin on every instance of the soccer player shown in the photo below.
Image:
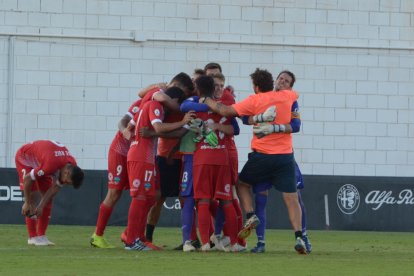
(284, 81)
(142, 168)
(272, 157)
(211, 174)
(170, 165)
(43, 167)
(117, 176)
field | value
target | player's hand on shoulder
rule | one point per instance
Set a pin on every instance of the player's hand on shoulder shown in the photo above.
(188, 117)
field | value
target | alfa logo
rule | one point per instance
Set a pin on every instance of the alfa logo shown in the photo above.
(157, 112)
(40, 173)
(348, 199)
(110, 177)
(227, 188)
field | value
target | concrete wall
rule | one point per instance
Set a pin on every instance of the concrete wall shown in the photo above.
(70, 69)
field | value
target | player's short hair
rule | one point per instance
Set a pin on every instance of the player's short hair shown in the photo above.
(77, 176)
(219, 76)
(199, 71)
(263, 79)
(205, 86)
(290, 74)
(184, 81)
(212, 65)
(175, 93)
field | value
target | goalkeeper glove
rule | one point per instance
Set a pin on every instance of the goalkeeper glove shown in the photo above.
(261, 130)
(211, 139)
(196, 125)
(267, 116)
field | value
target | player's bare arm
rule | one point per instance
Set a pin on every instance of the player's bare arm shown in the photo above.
(167, 102)
(224, 110)
(167, 127)
(47, 197)
(144, 91)
(28, 207)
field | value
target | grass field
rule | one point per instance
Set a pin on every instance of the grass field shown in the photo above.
(335, 253)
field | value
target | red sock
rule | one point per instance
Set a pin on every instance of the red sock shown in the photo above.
(193, 235)
(230, 222)
(239, 215)
(132, 227)
(103, 218)
(31, 227)
(204, 220)
(43, 221)
(146, 205)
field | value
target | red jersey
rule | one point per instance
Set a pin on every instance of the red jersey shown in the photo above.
(166, 145)
(119, 143)
(206, 154)
(144, 149)
(46, 157)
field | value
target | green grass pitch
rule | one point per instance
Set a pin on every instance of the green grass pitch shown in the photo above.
(334, 253)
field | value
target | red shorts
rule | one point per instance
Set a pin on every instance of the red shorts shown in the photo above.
(117, 171)
(42, 184)
(142, 178)
(212, 181)
(234, 165)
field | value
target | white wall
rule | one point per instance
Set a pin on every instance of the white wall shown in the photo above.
(70, 69)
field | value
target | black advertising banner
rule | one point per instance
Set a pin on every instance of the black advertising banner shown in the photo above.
(332, 202)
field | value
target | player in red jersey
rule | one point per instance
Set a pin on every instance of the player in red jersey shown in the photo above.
(170, 165)
(211, 174)
(43, 167)
(226, 96)
(142, 168)
(117, 176)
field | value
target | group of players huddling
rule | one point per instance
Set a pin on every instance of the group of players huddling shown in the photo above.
(177, 139)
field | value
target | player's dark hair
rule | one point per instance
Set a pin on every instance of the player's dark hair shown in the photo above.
(212, 65)
(175, 93)
(263, 79)
(290, 74)
(184, 81)
(199, 71)
(77, 177)
(205, 86)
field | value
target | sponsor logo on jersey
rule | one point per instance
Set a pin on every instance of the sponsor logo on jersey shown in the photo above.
(157, 112)
(40, 173)
(348, 199)
(227, 188)
(110, 177)
(183, 187)
(135, 109)
(136, 183)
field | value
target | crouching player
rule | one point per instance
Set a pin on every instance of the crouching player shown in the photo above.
(44, 167)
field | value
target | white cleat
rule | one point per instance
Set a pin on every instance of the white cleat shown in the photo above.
(188, 247)
(43, 241)
(205, 247)
(32, 241)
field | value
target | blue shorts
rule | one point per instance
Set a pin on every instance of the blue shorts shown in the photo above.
(186, 184)
(261, 187)
(278, 169)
